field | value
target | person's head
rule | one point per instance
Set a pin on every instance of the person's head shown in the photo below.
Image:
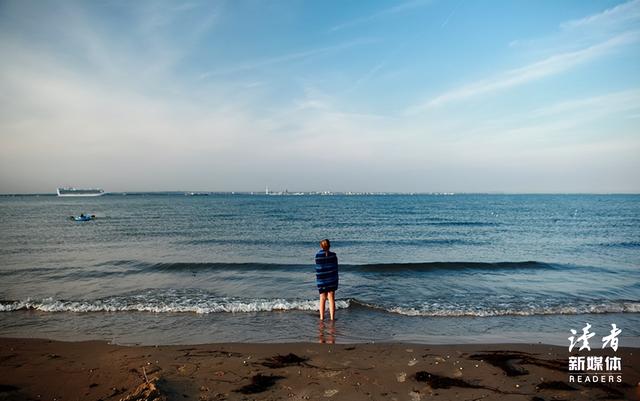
(325, 244)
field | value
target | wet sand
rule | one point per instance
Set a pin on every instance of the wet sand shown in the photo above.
(34, 369)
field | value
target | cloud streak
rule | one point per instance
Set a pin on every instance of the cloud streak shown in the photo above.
(572, 121)
(446, 20)
(620, 14)
(552, 65)
(295, 56)
(409, 5)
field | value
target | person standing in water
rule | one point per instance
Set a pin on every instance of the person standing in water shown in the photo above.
(327, 277)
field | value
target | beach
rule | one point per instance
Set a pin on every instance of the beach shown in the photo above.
(37, 369)
(185, 184)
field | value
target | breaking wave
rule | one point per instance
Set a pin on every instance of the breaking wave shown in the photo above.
(174, 306)
(460, 311)
(230, 305)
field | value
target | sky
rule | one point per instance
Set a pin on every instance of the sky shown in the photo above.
(405, 96)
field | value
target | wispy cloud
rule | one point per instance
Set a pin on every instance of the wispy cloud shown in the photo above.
(573, 118)
(408, 5)
(367, 76)
(608, 103)
(552, 65)
(625, 12)
(579, 32)
(453, 11)
(300, 55)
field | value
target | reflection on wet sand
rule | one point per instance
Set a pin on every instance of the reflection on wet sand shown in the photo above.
(327, 332)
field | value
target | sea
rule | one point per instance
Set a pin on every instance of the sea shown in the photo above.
(165, 268)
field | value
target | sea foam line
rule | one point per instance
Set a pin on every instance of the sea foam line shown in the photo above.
(226, 305)
(626, 307)
(176, 306)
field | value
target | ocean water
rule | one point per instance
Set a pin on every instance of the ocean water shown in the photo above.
(169, 268)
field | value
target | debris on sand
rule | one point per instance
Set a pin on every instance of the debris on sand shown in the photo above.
(147, 391)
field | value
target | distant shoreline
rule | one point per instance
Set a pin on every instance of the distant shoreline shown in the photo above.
(337, 193)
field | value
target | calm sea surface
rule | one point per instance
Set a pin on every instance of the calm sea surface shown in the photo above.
(167, 268)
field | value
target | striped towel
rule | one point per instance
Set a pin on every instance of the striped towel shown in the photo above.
(326, 271)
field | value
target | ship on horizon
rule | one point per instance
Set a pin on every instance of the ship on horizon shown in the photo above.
(79, 192)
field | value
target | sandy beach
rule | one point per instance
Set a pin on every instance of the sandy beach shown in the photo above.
(36, 369)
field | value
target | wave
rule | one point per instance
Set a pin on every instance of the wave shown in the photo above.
(621, 244)
(529, 310)
(463, 223)
(419, 242)
(135, 267)
(426, 266)
(312, 244)
(390, 267)
(174, 306)
(226, 305)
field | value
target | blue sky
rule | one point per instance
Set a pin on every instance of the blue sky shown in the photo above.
(415, 95)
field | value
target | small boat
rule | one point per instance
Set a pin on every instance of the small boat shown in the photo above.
(83, 217)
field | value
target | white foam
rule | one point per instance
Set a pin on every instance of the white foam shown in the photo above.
(621, 307)
(175, 306)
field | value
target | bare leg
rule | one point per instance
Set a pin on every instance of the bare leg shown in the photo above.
(332, 304)
(323, 299)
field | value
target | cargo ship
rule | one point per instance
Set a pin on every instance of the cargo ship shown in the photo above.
(80, 192)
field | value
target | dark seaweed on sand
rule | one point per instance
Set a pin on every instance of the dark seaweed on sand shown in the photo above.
(259, 383)
(281, 361)
(510, 362)
(558, 385)
(437, 381)
(611, 392)
(555, 385)
(12, 393)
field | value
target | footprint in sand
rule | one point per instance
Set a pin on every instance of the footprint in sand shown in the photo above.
(330, 393)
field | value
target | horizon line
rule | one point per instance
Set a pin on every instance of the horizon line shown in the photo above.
(326, 192)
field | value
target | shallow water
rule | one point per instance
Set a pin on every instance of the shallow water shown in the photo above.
(166, 268)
